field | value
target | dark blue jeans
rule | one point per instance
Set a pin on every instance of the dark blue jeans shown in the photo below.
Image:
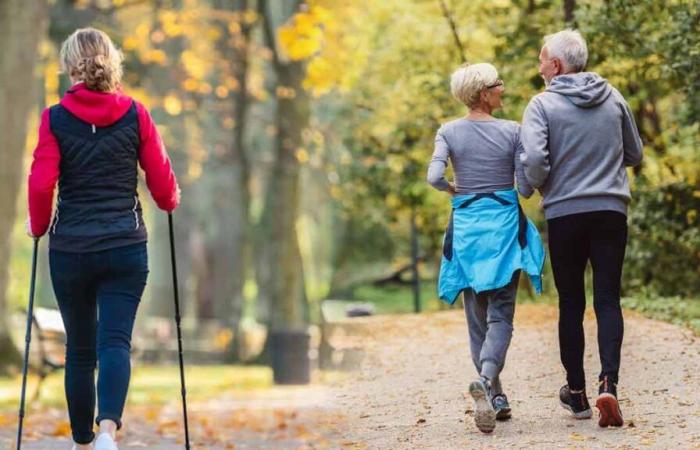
(98, 294)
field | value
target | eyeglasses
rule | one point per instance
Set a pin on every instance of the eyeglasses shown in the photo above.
(496, 84)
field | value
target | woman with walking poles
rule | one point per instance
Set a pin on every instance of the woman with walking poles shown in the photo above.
(91, 143)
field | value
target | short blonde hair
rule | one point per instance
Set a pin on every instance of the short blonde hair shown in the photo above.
(469, 81)
(89, 55)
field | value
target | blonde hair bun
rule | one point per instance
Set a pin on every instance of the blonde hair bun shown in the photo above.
(90, 56)
(96, 73)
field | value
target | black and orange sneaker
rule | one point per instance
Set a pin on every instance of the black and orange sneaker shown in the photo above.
(575, 402)
(607, 404)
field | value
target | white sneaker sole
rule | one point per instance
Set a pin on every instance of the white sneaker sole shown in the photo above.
(104, 442)
(585, 414)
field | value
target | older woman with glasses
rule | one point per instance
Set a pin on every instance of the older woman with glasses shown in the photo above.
(488, 240)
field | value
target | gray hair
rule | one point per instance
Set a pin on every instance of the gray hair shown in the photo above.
(468, 81)
(569, 47)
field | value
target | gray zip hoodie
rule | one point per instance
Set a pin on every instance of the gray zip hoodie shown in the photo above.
(578, 136)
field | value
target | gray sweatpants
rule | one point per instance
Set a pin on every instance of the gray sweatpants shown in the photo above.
(490, 321)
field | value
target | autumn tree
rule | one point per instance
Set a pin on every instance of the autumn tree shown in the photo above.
(22, 27)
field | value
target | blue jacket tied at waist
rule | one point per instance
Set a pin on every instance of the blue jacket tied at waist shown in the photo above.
(487, 240)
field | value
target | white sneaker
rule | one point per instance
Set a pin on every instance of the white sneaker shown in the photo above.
(105, 442)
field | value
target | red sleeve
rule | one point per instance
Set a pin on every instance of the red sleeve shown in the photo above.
(154, 161)
(42, 177)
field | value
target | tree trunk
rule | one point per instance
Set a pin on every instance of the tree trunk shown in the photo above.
(415, 282)
(285, 283)
(280, 274)
(201, 272)
(230, 247)
(22, 26)
(455, 33)
(569, 9)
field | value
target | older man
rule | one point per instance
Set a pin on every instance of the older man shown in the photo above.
(578, 136)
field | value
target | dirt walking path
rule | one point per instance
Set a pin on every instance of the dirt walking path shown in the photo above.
(410, 393)
(289, 418)
(411, 390)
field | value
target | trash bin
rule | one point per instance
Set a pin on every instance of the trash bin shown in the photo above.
(290, 356)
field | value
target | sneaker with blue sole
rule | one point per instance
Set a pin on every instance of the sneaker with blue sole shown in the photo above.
(501, 406)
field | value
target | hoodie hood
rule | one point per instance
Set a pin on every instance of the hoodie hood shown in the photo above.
(97, 108)
(585, 89)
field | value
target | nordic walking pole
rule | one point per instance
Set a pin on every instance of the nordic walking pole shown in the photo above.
(179, 332)
(27, 340)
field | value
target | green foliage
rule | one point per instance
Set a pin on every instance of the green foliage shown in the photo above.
(677, 310)
(518, 41)
(683, 54)
(400, 95)
(663, 254)
(398, 101)
(658, 74)
(667, 60)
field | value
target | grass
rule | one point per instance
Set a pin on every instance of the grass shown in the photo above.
(395, 299)
(150, 385)
(398, 299)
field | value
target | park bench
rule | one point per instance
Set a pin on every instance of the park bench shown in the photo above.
(205, 342)
(339, 348)
(47, 352)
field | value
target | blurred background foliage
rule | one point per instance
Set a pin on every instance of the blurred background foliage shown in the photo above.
(301, 131)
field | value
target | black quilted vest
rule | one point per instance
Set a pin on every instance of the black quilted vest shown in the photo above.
(98, 206)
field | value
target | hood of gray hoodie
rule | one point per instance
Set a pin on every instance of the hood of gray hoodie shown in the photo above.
(577, 137)
(584, 89)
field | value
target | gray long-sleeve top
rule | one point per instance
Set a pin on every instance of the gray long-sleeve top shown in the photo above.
(485, 155)
(578, 136)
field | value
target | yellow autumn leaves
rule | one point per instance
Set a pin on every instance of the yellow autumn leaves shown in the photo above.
(302, 37)
(321, 35)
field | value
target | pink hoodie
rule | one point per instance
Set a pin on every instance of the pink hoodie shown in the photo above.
(100, 109)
